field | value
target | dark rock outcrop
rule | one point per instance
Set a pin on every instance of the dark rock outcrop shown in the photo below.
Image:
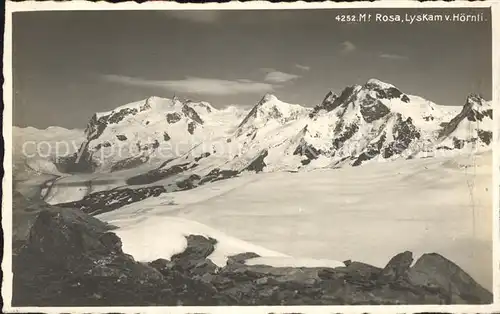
(159, 174)
(346, 133)
(241, 258)
(468, 112)
(173, 117)
(258, 163)
(204, 155)
(485, 136)
(347, 95)
(121, 137)
(328, 104)
(192, 114)
(371, 151)
(457, 143)
(129, 163)
(397, 268)
(166, 137)
(188, 183)
(93, 131)
(214, 175)
(386, 92)
(217, 174)
(191, 127)
(26, 210)
(307, 150)
(151, 146)
(435, 272)
(373, 109)
(194, 259)
(118, 116)
(106, 201)
(405, 133)
(71, 163)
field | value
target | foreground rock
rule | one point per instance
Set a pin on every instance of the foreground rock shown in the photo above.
(71, 259)
(25, 212)
(432, 280)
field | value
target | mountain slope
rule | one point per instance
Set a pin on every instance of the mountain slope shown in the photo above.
(149, 130)
(473, 125)
(375, 121)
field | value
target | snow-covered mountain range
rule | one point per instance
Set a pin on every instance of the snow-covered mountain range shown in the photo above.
(373, 122)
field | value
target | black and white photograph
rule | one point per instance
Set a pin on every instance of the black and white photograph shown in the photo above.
(234, 156)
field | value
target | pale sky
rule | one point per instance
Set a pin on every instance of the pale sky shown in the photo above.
(68, 65)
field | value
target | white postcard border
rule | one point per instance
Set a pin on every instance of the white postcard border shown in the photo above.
(83, 5)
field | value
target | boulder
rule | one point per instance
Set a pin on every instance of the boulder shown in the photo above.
(434, 271)
(193, 260)
(198, 247)
(241, 258)
(66, 261)
(162, 265)
(357, 271)
(397, 267)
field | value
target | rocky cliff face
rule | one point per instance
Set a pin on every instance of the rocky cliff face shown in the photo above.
(328, 104)
(473, 125)
(68, 258)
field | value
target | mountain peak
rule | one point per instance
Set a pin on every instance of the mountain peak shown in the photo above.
(150, 101)
(267, 98)
(384, 90)
(474, 99)
(271, 108)
(379, 83)
(328, 104)
(475, 102)
(330, 96)
(153, 98)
